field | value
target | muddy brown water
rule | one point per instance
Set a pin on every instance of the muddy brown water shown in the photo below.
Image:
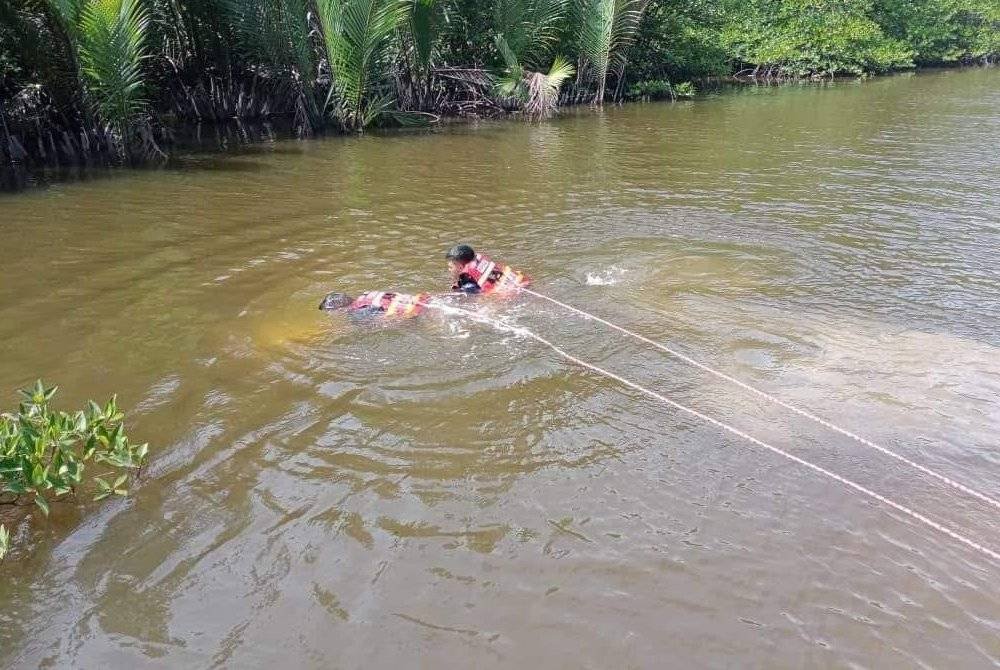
(441, 494)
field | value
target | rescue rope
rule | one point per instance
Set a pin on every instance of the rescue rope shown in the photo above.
(524, 332)
(767, 396)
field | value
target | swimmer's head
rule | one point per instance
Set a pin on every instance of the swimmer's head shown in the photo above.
(334, 301)
(459, 255)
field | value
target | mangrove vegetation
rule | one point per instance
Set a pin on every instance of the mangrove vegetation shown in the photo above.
(45, 452)
(110, 81)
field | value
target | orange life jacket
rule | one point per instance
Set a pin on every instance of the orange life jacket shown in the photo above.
(491, 276)
(393, 304)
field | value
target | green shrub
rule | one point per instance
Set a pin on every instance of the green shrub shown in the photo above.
(799, 38)
(678, 40)
(685, 89)
(43, 452)
(659, 89)
(649, 90)
(942, 31)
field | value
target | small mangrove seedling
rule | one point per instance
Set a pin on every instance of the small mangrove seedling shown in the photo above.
(43, 452)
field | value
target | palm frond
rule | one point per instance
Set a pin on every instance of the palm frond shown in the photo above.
(112, 48)
(423, 26)
(510, 83)
(274, 33)
(606, 29)
(68, 13)
(528, 27)
(542, 90)
(356, 36)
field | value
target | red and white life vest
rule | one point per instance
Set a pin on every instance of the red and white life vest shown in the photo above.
(492, 276)
(393, 304)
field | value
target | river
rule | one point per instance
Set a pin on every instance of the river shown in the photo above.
(440, 493)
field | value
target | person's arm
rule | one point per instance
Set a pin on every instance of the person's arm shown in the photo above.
(466, 285)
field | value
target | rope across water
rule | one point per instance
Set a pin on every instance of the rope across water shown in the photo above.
(778, 401)
(524, 332)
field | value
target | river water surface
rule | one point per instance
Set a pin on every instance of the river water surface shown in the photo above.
(443, 494)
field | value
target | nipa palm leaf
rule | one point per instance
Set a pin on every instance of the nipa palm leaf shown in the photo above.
(357, 34)
(607, 28)
(542, 90)
(112, 48)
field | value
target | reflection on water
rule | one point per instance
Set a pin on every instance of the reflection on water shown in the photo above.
(325, 493)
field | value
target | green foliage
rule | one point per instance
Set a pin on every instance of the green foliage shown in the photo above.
(33, 55)
(537, 92)
(425, 19)
(685, 89)
(357, 36)
(74, 68)
(942, 31)
(68, 13)
(811, 37)
(527, 29)
(650, 89)
(273, 34)
(659, 89)
(44, 453)
(677, 40)
(111, 36)
(606, 29)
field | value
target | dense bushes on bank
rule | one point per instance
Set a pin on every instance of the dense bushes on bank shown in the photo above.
(104, 80)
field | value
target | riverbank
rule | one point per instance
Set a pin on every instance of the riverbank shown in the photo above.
(113, 82)
(207, 144)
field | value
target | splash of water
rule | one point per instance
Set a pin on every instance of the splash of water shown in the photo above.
(608, 277)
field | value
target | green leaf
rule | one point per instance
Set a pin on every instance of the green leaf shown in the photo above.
(112, 45)
(357, 36)
(75, 471)
(607, 29)
(90, 448)
(38, 392)
(15, 487)
(43, 452)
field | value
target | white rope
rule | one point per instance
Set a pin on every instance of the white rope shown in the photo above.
(763, 394)
(986, 551)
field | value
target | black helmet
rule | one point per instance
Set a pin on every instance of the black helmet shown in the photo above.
(334, 301)
(461, 252)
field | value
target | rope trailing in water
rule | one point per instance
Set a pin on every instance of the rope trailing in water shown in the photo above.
(778, 401)
(524, 332)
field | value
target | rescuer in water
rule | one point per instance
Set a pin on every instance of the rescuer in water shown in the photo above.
(472, 273)
(478, 273)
